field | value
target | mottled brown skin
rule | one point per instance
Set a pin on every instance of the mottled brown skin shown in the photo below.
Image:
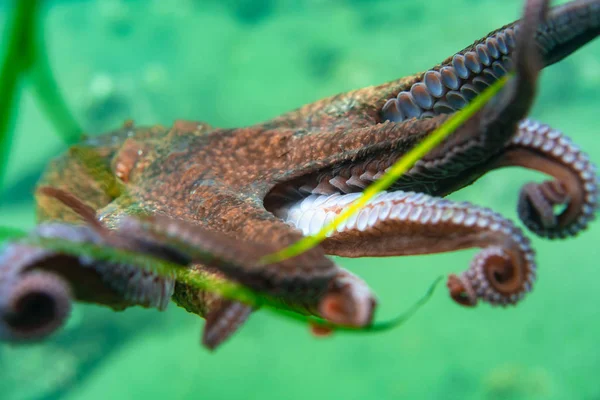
(217, 190)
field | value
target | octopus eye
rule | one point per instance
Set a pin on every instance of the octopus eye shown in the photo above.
(34, 307)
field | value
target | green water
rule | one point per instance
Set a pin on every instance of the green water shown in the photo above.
(237, 62)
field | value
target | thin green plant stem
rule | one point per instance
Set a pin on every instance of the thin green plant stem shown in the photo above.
(26, 53)
(394, 173)
(18, 56)
(9, 233)
(50, 98)
(381, 326)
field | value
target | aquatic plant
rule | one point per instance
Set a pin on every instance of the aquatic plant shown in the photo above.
(25, 56)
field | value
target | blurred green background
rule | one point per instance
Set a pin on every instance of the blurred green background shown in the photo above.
(238, 62)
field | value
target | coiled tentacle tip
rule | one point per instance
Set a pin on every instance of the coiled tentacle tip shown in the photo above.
(496, 276)
(461, 291)
(564, 206)
(34, 306)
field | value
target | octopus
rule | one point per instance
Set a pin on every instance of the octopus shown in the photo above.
(215, 201)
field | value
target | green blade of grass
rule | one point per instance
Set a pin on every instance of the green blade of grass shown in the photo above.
(393, 174)
(25, 52)
(376, 327)
(50, 98)
(18, 56)
(8, 233)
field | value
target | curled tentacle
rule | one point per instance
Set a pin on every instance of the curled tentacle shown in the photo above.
(574, 188)
(492, 277)
(113, 284)
(33, 303)
(408, 223)
(33, 306)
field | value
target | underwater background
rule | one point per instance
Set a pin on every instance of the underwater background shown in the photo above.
(238, 62)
